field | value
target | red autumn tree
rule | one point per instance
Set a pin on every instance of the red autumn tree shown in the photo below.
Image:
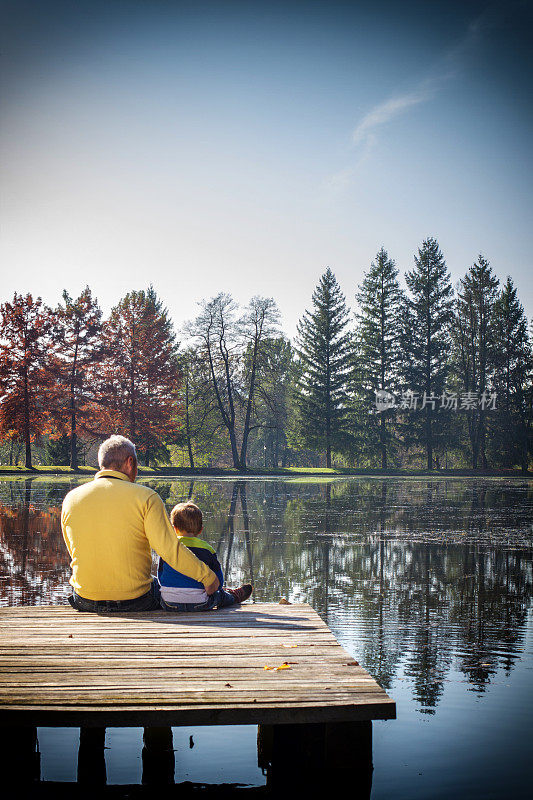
(27, 387)
(78, 343)
(140, 374)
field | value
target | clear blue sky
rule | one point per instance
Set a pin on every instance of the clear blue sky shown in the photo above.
(244, 147)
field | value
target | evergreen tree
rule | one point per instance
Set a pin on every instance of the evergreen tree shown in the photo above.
(323, 347)
(474, 351)
(58, 451)
(377, 341)
(512, 380)
(426, 342)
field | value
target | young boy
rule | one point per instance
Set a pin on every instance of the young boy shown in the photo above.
(180, 593)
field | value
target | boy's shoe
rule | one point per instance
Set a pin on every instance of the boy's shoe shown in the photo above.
(242, 593)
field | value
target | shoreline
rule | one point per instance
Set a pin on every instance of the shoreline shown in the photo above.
(285, 472)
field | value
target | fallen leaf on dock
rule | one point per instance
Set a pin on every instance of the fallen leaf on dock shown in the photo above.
(285, 665)
(229, 684)
(289, 645)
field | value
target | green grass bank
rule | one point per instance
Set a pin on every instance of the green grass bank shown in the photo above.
(317, 472)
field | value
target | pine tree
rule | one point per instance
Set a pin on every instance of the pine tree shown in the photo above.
(474, 353)
(323, 347)
(512, 380)
(27, 390)
(426, 341)
(377, 343)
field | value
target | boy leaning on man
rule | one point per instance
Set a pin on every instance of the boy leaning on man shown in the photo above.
(111, 525)
(178, 591)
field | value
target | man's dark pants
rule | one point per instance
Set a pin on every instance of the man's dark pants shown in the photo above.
(146, 602)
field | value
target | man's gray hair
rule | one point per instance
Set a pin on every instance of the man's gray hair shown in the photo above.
(114, 451)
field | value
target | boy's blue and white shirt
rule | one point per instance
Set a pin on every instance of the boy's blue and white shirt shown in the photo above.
(178, 588)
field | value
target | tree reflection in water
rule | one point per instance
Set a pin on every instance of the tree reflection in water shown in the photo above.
(421, 579)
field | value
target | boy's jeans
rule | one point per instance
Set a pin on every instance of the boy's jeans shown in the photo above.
(146, 602)
(220, 599)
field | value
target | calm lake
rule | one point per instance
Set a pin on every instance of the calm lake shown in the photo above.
(426, 582)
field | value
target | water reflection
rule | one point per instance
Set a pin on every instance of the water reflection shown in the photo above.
(425, 581)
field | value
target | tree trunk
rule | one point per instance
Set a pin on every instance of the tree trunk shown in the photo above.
(383, 444)
(132, 402)
(251, 391)
(73, 438)
(188, 420)
(382, 422)
(73, 443)
(234, 451)
(523, 449)
(27, 438)
(475, 445)
(228, 418)
(429, 438)
(482, 439)
(191, 456)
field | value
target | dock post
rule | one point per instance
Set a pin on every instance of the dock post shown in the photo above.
(292, 755)
(348, 756)
(91, 757)
(20, 758)
(158, 756)
(336, 756)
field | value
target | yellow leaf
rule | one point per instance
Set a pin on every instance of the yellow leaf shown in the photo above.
(289, 645)
(283, 666)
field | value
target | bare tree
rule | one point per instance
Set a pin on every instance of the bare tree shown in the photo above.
(259, 324)
(231, 347)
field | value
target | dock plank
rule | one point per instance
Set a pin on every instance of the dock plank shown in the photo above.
(62, 667)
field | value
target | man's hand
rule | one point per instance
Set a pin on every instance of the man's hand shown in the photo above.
(212, 587)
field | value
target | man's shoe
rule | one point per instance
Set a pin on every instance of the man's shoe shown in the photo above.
(242, 593)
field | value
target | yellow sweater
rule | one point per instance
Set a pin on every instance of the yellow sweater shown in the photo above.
(109, 526)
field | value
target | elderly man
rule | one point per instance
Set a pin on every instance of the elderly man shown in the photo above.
(109, 526)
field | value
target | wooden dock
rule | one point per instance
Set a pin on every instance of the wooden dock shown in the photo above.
(278, 666)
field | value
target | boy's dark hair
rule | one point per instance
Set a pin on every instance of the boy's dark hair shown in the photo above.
(187, 518)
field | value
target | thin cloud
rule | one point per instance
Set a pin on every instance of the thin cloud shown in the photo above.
(384, 112)
(449, 66)
(365, 134)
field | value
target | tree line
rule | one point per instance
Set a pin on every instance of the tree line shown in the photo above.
(425, 375)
